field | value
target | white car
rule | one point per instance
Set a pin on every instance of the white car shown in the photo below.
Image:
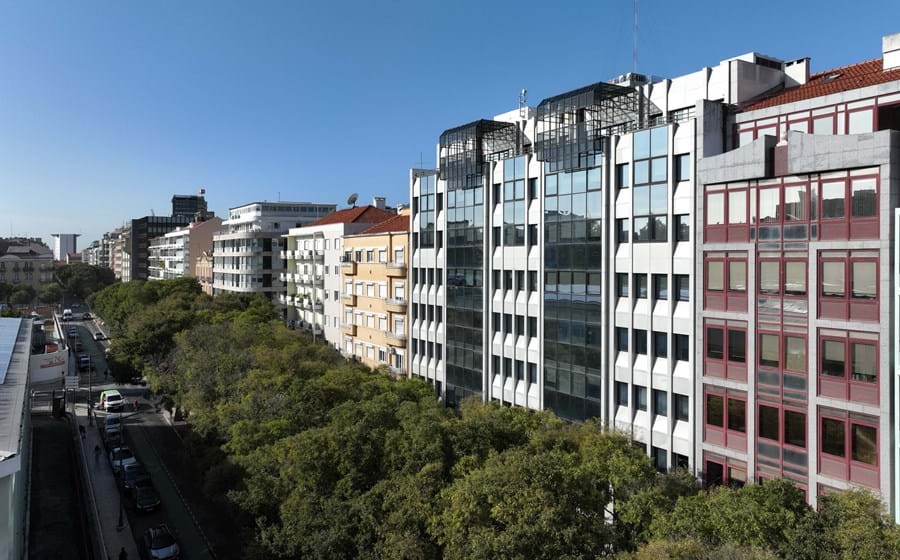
(121, 457)
(99, 335)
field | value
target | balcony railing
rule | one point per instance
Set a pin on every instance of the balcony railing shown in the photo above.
(395, 305)
(397, 339)
(395, 269)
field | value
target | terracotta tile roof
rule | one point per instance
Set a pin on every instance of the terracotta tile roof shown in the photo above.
(853, 76)
(399, 222)
(361, 214)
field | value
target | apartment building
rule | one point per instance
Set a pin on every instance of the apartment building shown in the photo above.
(796, 343)
(136, 248)
(552, 252)
(247, 252)
(175, 254)
(64, 244)
(374, 294)
(25, 262)
(203, 270)
(312, 273)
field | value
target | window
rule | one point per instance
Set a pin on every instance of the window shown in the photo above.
(863, 279)
(622, 230)
(682, 287)
(683, 167)
(682, 407)
(660, 287)
(833, 200)
(682, 348)
(863, 199)
(621, 284)
(682, 228)
(768, 278)
(660, 403)
(768, 350)
(737, 207)
(737, 275)
(660, 345)
(795, 278)
(640, 398)
(715, 410)
(715, 343)
(768, 422)
(833, 437)
(833, 358)
(640, 341)
(640, 286)
(715, 276)
(737, 346)
(833, 279)
(621, 339)
(715, 209)
(864, 446)
(795, 428)
(659, 457)
(795, 353)
(737, 415)
(621, 393)
(623, 178)
(865, 362)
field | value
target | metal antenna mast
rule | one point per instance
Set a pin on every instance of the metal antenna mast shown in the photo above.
(634, 50)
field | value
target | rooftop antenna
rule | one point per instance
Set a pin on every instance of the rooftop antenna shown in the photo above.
(523, 108)
(634, 49)
(351, 200)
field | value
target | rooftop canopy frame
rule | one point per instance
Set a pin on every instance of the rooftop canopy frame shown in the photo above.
(465, 149)
(571, 125)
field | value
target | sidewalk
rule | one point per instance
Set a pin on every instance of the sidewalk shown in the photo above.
(106, 494)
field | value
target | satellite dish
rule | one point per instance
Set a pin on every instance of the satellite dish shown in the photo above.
(351, 200)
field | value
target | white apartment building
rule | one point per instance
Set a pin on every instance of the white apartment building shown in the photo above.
(174, 255)
(552, 252)
(247, 253)
(64, 244)
(312, 275)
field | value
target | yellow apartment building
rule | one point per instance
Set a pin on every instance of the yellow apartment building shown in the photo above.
(374, 270)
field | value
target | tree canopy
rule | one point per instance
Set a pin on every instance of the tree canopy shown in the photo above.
(321, 457)
(82, 279)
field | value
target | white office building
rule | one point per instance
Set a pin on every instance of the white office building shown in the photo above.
(64, 244)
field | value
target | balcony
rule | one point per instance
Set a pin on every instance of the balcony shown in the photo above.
(348, 299)
(395, 269)
(396, 339)
(348, 267)
(395, 305)
(348, 329)
(310, 305)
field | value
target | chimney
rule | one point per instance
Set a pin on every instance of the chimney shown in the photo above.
(796, 72)
(379, 202)
(890, 51)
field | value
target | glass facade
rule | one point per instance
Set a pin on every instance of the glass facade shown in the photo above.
(514, 202)
(573, 259)
(465, 293)
(426, 211)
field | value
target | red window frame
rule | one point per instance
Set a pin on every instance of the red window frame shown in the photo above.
(725, 368)
(847, 307)
(726, 231)
(725, 299)
(723, 436)
(846, 467)
(783, 345)
(777, 335)
(846, 388)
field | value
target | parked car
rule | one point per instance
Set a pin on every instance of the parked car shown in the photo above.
(84, 362)
(111, 400)
(99, 336)
(67, 315)
(145, 496)
(121, 457)
(86, 317)
(112, 441)
(78, 346)
(161, 543)
(112, 424)
(130, 475)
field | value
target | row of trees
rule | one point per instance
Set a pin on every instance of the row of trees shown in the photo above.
(77, 280)
(323, 458)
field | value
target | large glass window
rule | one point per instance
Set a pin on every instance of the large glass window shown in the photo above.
(737, 276)
(864, 444)
(768, 422)
(833, 437)
(865, 362)
(768, 350)
(769, 205)
(737, 415)
(833, 200)
(833, 358)
(737, 346)
(833, 279)
(715, 209)
(795, 428)
(737, 207)
(864, 201)
(795, 353)
(715, 413)
(769, 282)
(864, 279)
(795, 278)
(715, 343)
(650, 193)
(715, 272)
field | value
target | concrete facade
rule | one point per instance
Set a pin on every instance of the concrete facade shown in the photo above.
(175, 254)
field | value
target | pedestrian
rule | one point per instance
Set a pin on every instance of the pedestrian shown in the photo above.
(97, 454)
(135, 405)
(106, 374)
(81, 431)
(122, 554)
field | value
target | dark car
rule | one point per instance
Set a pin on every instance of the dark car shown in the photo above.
(161, 543)
(112, 441)
(84, 362)
(145, 496)
(131, 474)
(86, 317)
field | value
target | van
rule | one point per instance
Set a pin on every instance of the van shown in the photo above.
(111, 401)
(67, 315)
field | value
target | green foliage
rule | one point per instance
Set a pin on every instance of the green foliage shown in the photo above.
(50, 293)
(82, 280)
(22, 295)
(319, 457)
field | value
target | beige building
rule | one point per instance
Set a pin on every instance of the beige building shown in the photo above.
(25, 262)
(203, 267)
(374, 294)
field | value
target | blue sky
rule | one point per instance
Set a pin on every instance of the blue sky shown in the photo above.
(109, 108)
